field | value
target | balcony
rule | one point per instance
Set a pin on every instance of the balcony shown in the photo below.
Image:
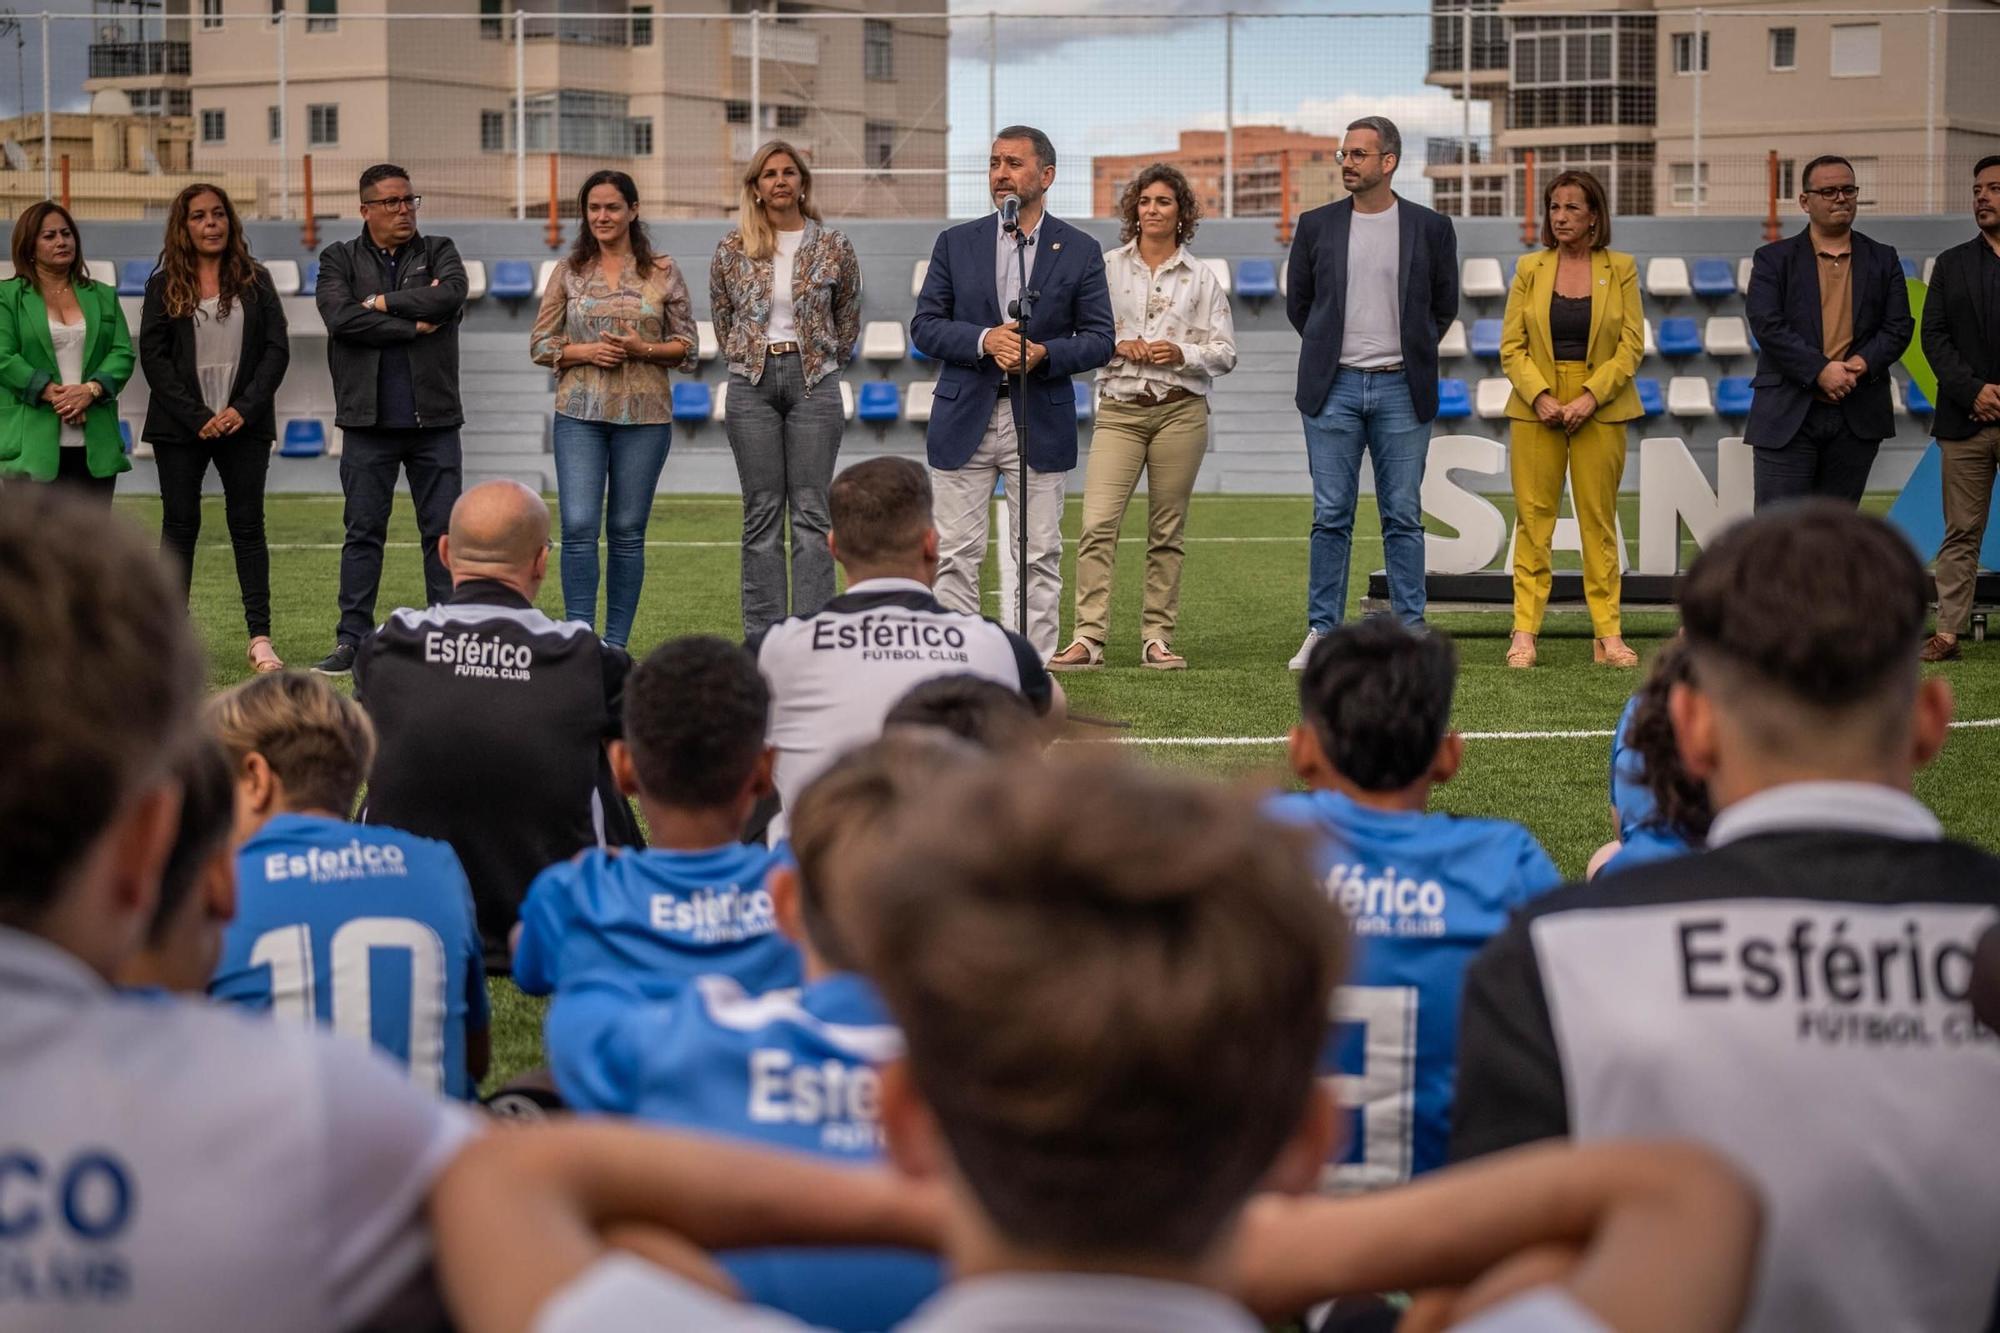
(785, 42)
(137, 60)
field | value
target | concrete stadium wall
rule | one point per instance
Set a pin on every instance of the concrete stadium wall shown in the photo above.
(1257, 441)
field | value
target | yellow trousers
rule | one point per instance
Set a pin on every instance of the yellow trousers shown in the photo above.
(1594, 459)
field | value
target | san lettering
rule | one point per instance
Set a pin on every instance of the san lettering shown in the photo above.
(1814, 962)
(830, 1092)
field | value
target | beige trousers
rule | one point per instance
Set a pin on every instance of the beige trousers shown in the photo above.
(1968, 467)
(960, 500)
(1166, 443)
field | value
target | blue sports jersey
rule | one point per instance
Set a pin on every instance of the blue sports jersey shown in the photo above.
(1645, 844)
(363, 929)
(654, 920)
(1423, 893)
(791, 1069)
(1631, 798)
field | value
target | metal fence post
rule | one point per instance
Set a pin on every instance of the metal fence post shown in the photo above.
(284, 126)
(756, 74)
(1930, 118)
(48, 131)
(521, 114)
(1229, 114)
(1465, 117)
(1698, 170)
(992, 75)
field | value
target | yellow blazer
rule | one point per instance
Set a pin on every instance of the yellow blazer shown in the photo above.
(1617, 335)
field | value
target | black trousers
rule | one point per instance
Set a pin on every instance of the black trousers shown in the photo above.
(73, 469)
(1824, 458)
(242, 464)
(369, 460)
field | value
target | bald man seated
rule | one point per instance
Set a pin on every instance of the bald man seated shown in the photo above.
(493, 718)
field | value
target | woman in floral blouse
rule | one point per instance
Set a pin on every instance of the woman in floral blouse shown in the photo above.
(614, 318)
(786, 297)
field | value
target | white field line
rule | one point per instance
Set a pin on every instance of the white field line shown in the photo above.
(734, 544)
(1968, 724)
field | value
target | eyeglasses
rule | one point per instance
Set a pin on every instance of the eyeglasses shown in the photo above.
(1832, 193)
(412, 202)
(1356, 155)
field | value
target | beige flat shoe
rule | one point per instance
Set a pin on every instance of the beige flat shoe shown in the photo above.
(1521, 652)
(1081, 655)
(263, 657)
(1612, 653)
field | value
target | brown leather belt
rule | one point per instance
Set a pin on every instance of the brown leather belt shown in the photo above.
(1164, 396)
(780, 349)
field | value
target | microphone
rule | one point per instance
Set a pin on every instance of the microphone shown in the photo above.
(1010, 213)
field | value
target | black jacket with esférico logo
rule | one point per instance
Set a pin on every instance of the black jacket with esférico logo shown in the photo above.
(351, 271)
(492, 720)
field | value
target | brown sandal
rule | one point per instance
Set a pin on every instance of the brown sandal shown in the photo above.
(1521, 656)
(263, 657)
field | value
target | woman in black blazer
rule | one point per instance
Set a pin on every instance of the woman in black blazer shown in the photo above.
(213, 347)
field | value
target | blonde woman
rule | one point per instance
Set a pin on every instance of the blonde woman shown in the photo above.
(785, 294)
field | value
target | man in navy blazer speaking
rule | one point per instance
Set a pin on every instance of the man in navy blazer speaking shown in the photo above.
(976, 423)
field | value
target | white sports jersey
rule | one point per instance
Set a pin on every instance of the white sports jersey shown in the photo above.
(834, 676)
(172, 1165)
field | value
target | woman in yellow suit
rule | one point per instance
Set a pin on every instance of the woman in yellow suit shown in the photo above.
(1573, 339)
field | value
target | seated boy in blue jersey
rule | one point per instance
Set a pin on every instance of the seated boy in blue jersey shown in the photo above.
(1660, 809)
(1423, 891)
(790, 1069)
(198, 885)
(365, 929)
(696, 901)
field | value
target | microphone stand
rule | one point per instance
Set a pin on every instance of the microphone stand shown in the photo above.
(1020, 311)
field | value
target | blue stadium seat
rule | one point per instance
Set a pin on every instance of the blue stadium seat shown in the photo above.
(1732, 396)
(916, 352)
(1679, 336)
(1919, 402)
(1652, 398)
(512, 280)
(125, 434)
(309, 278)
(303, 439)
(693, 401)
(1713, 279)
(880, 402)
(1086, 398)
(1910, 267)
(1454, 400)
(1256, 278)
(132, 275)
(1486, 338)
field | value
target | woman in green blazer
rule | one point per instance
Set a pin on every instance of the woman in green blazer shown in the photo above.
(1571, 343)
(65, 352)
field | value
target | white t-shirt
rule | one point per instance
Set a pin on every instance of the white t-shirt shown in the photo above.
(1371, 328)
(170, 1164)
(784, 327)
(68, 340)
(218, 347)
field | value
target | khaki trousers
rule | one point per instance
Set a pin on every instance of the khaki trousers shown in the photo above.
(1594, 458)
(1968, 466)
(1165, 442)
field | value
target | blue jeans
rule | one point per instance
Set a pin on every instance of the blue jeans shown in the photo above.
(1372, 412)
(630, 457)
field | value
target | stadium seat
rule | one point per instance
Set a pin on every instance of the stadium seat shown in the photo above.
(1732, 396)
(1652, 346)
(513, 280)
(1726, 335)
(882, 340)
(1652, 399)
(1454, 400)
(1482, 279)
(1919, 401)
(721, 412)
(303, 439)
(917, 406)
(917, 273)
(1452, 345)
(132, 275)
(1490, 398)
(1285, 278)
(1929, 264)
(1910, 267)
(917, 353)
(1256, 279)
(543, 273)
(1743, 270)
(693, 402)
(1679, 336)
(1220, 268)
(125, 434)
(1086, 398)
(846, 400)
(1687, 396)
(101, 270)
(309, 278)
(1486, 338)
(1667, 275)
(475, 279)
(1712, 279)
(706, 345)
(284, 275)
(880, 403)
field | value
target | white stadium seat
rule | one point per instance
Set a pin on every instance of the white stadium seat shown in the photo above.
(882, 340)
(134, 308)
(1743, 270)
(1220, 268)
(917, 401)
(1726, 335)
(706, 346)
(1490, 398)
(1285, 278)
(918, 271)
(475, 279)
(721, 412)
(1667, 275)
(1688, 396)
(284, 275)
(1929, 264)
(1898, 399)
(1482, 278)
(847, 400)
(543, 274)
(1652, 348)
(1452, 345)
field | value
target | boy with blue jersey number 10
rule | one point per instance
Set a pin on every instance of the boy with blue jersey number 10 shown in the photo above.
(363, 929)
(1422, 891)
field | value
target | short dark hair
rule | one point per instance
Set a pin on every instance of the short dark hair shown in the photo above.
(695, 715)
(319, 742)
(1681, 803)
(1823, 160)
(1113, 985)
(208, 812)
(1984, 163)
(1377, 695)
(100, 682)
(1385, 130)
(880, 508)
(1185, 202)
(1593, 196)
(1045, 152)
(993, 717)
(1807, 618)
(381, 171)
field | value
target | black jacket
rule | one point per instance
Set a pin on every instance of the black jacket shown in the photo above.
(349, 272)
(175, 412)
(1961, 338)
(1783, 306)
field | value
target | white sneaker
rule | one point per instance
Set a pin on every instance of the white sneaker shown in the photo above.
(1305, 652)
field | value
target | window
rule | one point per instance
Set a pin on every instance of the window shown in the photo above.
(1784, 48)
(639, 136)
(323, 125)
(642, 25)
(587, 123)
(878, 49)
(492, 24)
(214, 126)
(211, 15)
(1857, 50)
(878, 145)
(790, 117)
(322, 15)
(1788, 175)
(1686, 191)
(736, 113)
(493, 129)
(275, 121)
(277, 10)
(180, 101)
(1684, 58)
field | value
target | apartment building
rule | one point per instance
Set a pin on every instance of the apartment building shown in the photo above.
(1268, 161)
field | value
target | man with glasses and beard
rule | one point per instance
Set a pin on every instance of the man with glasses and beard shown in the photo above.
(1831, 313)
